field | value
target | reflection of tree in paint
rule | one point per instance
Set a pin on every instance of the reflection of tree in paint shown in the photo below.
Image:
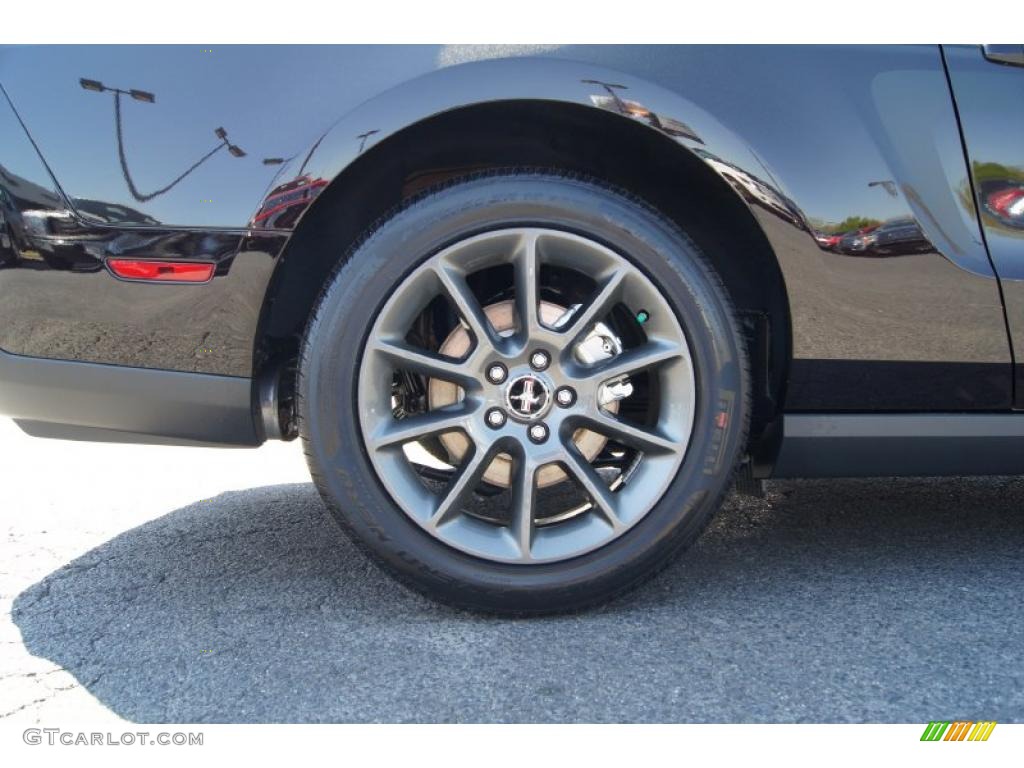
(851, 224)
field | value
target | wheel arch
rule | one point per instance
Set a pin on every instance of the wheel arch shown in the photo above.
(536, 113)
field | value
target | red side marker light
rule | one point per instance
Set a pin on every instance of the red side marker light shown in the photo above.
(161, 271)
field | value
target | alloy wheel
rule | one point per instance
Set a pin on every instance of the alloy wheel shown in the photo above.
(563, 420)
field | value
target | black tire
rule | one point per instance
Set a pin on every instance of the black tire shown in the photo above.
(327, 393)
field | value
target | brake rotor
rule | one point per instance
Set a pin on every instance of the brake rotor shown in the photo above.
(442, 393)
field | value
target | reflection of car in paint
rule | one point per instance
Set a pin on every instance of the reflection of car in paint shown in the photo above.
(286, 202)
(899, 237)
(8, 249)
(827, 241)
(8, 253)
(858, 241)
(638, 111)
(1004, 199)
(99, 211)
(895, 237)
(18, 197)
(56, 238)
(752, 187)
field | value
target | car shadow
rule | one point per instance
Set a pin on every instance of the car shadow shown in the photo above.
(852, 600)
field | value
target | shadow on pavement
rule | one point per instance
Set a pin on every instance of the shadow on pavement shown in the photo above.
(829, 601)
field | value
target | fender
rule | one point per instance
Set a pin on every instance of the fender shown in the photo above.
(518, 79)
(882, 318)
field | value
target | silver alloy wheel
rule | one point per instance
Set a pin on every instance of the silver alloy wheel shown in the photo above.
(613, 508)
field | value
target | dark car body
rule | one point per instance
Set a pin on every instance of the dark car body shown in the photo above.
(267, 165)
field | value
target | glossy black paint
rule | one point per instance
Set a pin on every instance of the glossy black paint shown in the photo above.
(990, 99)
(238, 144)
(58, 301)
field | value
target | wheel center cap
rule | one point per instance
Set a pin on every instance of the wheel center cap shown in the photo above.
(528, 397)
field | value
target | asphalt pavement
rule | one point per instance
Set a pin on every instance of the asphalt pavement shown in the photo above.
(155, 584)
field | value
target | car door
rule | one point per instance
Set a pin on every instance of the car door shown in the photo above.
(988, 88)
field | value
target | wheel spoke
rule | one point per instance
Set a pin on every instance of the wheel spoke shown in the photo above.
(400, 403)
(462, 485)
(436, 366)
(467, 304)
(600, 496)
(524, 496)
(647, 356)
(430, 424)
(527, 279)
(645, 439)
(604, 299)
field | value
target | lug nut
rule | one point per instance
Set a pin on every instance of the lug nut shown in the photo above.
(496, 418)
(497, 373)
(540, 360)
(565, 396)
(538, 433)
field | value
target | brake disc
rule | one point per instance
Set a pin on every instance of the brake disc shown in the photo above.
(599, 344)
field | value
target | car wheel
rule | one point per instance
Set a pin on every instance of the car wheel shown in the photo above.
(523, 392)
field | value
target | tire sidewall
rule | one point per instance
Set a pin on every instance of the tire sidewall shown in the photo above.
(329, 413)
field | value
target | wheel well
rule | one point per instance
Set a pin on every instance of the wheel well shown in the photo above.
(539, 134)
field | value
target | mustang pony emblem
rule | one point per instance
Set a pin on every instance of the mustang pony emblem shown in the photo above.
(527, 395)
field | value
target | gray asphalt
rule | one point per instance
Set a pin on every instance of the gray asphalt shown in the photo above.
(828, 601)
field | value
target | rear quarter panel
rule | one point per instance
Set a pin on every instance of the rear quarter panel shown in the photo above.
(807, 136)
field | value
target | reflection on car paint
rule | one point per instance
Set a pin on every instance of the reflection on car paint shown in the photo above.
(900, 236)
(991, 110)
(1003, 200)
(613, 101)
(790, 171)
(147, 97)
